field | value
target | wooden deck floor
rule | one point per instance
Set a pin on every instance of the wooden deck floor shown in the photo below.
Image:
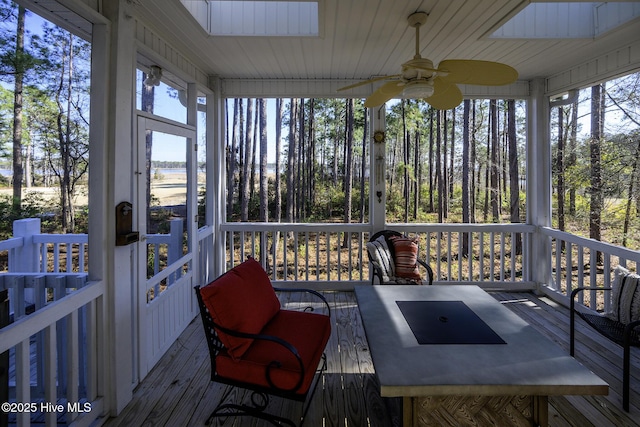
(177, 392)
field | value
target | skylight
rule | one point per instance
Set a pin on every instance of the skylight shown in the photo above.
(561, 20)
(256, 18)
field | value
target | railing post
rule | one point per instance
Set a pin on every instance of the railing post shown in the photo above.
(175, 247)
(4, 357)
(26, 259)
(26, 256)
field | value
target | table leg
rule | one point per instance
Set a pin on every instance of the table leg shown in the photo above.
(407, 412)
(541, 411)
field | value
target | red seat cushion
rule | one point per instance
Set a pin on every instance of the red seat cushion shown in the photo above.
(241, 300)
(307, 332)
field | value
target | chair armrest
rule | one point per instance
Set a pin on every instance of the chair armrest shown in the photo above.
(309, 291)
(273, 363)
(628, 329)
(429, 271)
(377, 271)
(576, 291)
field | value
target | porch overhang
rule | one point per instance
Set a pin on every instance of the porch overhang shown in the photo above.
(327, 88)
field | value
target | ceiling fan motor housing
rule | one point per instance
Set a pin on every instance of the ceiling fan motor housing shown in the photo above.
(418, 89)
(417, 19)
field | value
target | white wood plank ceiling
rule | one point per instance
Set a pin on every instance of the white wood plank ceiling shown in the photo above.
(359, 39)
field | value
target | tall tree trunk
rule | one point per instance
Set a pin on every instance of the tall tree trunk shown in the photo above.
(465, 174)
(487, 182)
(28, 166)
(278, 178)
(17, 113)
(595, 214)
(147, 101)
(232, 157)
(452, 151)
(64, 140)
(348, 173)
(300, 162)
(495, 209)
(627, 213)
(246, 150)
(444, 175)
(254, 148)
(514, 173)
(503, 154)
(472, 162)
(572, 157)
(439, 183)
(431, 174)
(261, 110)
(405, 151)
(264, 181)
(363, 171)
(311, 156)
(334, 165)
(291, 157)
(560, 169)
(416, 171)
(278, 187)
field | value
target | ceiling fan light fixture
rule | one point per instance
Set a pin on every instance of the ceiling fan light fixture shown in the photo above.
(418, 90)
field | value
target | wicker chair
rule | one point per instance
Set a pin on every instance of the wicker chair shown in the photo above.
(626, 335)
(383, 259)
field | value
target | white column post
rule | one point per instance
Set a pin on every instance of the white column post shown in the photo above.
(192, 182)
(120, 271)
(216, 168)
(539, 181)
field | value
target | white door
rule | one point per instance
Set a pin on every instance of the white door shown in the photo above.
(166, 192)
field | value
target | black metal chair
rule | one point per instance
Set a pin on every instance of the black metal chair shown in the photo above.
(283, 359)
(386, 274)
(626, 335)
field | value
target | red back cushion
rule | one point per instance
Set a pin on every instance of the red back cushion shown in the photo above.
(242, 300)
(406, 257)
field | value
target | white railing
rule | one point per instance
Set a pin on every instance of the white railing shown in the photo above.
(578, 261)
(31, 251)
(490, 255)
(205, 256)
(163, 250)
(58, 249)
(11, 246)
(45, 360)
(50, 327)
(170, 244)
(334, 255)
(56, 358)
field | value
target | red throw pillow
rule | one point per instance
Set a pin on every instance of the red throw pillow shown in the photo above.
(242, 300)
(406, 257)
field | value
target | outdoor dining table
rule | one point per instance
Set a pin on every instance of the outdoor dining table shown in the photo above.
(454, 353)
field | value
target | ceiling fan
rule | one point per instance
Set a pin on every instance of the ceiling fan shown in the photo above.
(436, 85)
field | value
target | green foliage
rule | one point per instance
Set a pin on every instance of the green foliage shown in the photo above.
(329, 204)
(33, 206)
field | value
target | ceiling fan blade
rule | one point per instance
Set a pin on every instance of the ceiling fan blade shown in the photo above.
(445, 95)
(384, 93)
(473, 72)
(366, 82)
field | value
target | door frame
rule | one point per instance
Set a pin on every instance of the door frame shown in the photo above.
(173, 307)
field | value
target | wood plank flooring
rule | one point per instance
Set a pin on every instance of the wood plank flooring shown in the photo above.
(177, 392)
